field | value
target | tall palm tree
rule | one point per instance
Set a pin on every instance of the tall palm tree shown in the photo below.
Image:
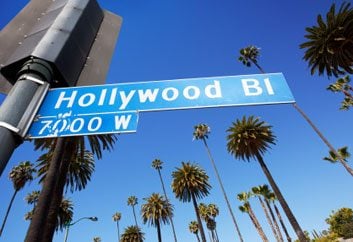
(329, 46)
(260, 191)
(132, 201)
(132, 234)
(19, 175)
(155, 211)
(64, 150)
(250, 138)
(97, 239)
(272, 198)
(201, 132)
(116, 218)
(80, 168)
(158, 165)
(190, 182)
(253, 57)
(246, 207)
(194, 228)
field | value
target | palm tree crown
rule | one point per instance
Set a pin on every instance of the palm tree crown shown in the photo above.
(201, 131)
(132, 201)
(190, 180)
(193, 227)
(132, 234)
(249, 55)
(157, 164)
(156, 209)
(249, 138)
(79, 173)
(21, 174)
(330, 44)
(116, 217)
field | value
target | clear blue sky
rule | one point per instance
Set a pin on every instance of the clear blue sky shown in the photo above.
(163, 40)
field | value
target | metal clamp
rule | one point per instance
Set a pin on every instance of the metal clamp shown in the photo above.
(33, 79)
(9, 127)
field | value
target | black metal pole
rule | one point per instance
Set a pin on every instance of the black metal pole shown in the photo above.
(21, 104)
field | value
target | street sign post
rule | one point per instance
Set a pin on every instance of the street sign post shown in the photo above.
(65, 110)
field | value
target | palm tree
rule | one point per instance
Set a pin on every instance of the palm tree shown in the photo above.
(19, 175)
(116, 218)
(250, 138)
(272, 198)
(213, 211)
(253, 58)
(132, 201)
(190, 182)
(64, 150)
(208, 213)
(157, 164)
(31, 198)
(201, 132)
(132, 234)
(194, 228)
(329, 46)
(80, 168)
(342, 152)
(97, 239)
(244, 197)
(155, 211)
(261, 191)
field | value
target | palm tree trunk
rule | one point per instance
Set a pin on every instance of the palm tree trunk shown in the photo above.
(159, 231)
(257, 225)
(202, 231)
(333, 150)
(274, 220)
(278, 237)
(133, 210)
(8, 212)
(35, 232)
(117, 225)
(216, 235)
(282, 201)
(166, 197)
(223, 190)
(198, 237)
(289, 239)
(51, 223)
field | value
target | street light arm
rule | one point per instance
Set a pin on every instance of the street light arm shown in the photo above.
(94, 219)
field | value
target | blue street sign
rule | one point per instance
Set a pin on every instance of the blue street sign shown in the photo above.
(95, 109)
(168, 95)
(71, 125)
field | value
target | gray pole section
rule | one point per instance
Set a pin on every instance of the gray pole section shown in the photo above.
(21, 104)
